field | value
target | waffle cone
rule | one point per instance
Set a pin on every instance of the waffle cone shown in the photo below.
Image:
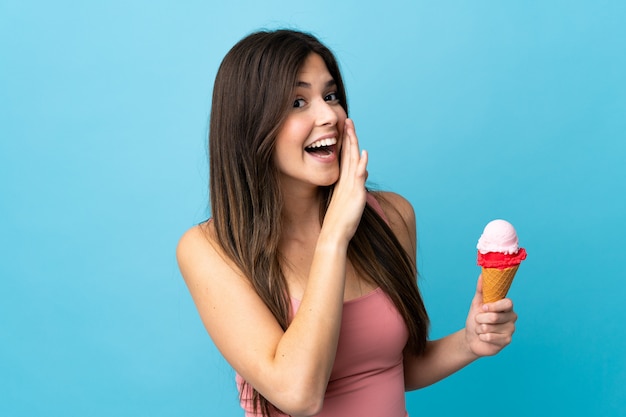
(496, 283)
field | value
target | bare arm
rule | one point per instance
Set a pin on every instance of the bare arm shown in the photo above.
(290, 368)
(488, 329)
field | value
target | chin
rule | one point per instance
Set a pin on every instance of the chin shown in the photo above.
(333, 178)
(329, 182)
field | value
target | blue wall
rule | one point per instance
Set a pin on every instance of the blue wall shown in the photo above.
(473, 110)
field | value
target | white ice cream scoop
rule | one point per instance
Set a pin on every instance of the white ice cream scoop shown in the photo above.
(498, 236)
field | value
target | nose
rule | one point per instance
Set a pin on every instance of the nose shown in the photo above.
(326, 113)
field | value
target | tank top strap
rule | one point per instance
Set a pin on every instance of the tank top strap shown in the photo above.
(371, 200)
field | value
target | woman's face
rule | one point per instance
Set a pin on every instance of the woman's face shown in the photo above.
(307, 146)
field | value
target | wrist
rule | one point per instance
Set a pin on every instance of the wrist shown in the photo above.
(331, 239)
(466, 346)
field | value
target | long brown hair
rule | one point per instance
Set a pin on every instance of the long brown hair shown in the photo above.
(252, 96)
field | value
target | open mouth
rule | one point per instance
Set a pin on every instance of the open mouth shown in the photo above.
(322, 148)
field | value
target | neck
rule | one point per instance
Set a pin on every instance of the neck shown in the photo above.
(301, 211)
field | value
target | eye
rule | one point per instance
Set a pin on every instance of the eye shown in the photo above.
(298, 102)
(331, 97)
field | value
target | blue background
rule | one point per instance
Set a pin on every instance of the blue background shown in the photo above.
(473, 110)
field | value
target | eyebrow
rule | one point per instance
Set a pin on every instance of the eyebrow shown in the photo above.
(329, 83)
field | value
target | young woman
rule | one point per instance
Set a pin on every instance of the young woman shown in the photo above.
(305, 281)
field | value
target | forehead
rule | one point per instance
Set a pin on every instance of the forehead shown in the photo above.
(314, 67)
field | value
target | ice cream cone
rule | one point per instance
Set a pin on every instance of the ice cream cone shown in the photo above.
(496, 282)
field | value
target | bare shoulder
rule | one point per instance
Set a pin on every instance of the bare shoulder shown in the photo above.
(401, 216)
(398, 209)
(192, 242)
(207, 270)
(199, 247)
